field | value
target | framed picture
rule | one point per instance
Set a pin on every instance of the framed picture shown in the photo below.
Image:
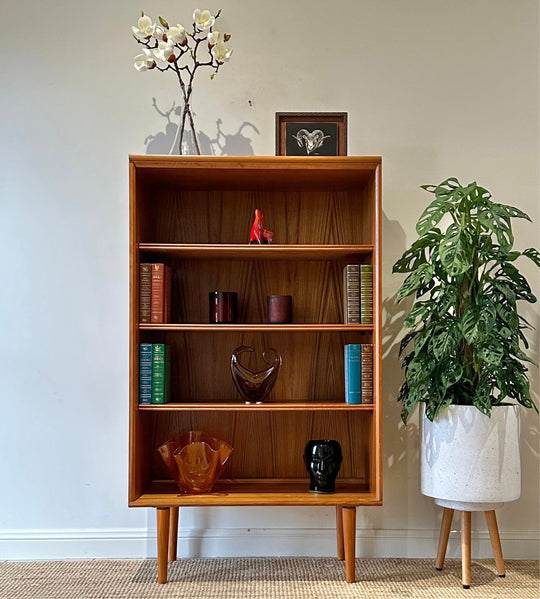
(311, 133)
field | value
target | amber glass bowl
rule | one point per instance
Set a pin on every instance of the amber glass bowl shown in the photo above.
(195, 460)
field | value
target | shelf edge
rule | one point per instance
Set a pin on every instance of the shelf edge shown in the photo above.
(264, 407)
(265, 328)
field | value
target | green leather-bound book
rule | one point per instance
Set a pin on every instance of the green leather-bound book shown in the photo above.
(160, 373)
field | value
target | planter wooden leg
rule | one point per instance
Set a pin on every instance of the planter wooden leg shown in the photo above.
(339, 533)
(163, 516)
(349, 541)
(446, 524)
(491, 520)
(173, 533)
(466, 549)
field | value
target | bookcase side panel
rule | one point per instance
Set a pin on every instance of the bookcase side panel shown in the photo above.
(139, 465)
(377, 335)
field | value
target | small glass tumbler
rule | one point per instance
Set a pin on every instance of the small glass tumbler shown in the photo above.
(279, 308)
(222, 306)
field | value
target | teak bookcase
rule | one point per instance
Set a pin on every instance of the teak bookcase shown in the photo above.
(194, 214)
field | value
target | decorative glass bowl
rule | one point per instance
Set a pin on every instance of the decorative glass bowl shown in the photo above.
(195, 460)
(255, 387)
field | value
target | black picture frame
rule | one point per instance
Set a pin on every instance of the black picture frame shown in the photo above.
(311, 133)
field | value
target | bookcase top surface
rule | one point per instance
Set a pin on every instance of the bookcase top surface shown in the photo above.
(341, 172)
(163, 159)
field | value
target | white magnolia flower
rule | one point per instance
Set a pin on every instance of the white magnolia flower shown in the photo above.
(159, 33)
(145, 61)
(164, 51)
(221, 52)
(177, 35)
(145, 27)
(203, 19)
(214, 37)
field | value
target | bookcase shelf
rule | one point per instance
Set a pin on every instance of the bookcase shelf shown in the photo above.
(247, 328)
(262, 492)
(257, 252)
(264, 407)
(194, 214)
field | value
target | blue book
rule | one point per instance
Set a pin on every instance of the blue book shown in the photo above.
(353, 373)
(145, 373)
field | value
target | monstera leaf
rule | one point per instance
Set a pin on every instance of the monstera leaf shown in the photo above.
(494, 217)
(432, 215)
(453, 250)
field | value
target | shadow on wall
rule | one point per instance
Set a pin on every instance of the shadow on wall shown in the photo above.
(402, 455)
(222, 144)
(530, 439)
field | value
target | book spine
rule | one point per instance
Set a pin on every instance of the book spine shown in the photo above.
(167, 397)
(145, 292)
(367, 372)
(346, 368)
(159, 373)
(366, 294)
(167, 295)
(145, 373)
(353, 377)
(351, 294)
(158, 293)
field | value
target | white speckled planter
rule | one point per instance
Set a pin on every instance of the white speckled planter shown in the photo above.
(469, 461)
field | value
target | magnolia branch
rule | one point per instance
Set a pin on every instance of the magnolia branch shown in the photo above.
(165, 46)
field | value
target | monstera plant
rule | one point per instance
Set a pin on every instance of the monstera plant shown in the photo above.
(466, 343)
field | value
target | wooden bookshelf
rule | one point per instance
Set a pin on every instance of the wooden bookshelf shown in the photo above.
(194, 214)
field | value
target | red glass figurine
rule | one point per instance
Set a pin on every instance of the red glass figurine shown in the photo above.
(258, 233)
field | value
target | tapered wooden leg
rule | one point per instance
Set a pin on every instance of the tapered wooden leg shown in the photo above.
(173, 533)
(339, 531)
(466, 549)
(446, 524)
(163, 516)
(349, 541)
(491, 520)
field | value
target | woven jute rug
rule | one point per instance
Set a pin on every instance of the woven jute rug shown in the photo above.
(275, 578)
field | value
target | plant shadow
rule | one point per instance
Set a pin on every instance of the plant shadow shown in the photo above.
(223, 142)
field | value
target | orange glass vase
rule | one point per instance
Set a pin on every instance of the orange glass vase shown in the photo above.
(195, 460)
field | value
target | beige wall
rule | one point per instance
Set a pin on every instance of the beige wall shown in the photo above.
(437, 88)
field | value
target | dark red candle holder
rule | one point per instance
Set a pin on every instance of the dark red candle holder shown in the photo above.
(279, 309)
(223, 306)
